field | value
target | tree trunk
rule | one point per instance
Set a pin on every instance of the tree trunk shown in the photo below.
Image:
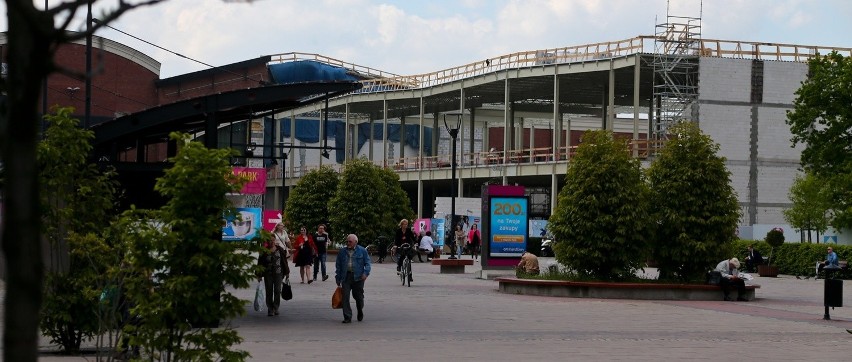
(29, 59)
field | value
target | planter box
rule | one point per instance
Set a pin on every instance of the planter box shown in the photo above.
(767, 271)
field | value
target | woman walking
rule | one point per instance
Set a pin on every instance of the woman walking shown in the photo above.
(460, 239)
(304, 254)
(273, 260)
(474, 238)
(282, 239)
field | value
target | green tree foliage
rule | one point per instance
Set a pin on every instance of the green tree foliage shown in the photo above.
(775, 238)
(601, 216)
(181, 268)
(396, 201)
(308, 204)
(695, 209)
(368, 202)
(811, 204)
(821, 119)
(78, 201)
(33, 37)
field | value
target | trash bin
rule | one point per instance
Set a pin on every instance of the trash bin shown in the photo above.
(833, 292)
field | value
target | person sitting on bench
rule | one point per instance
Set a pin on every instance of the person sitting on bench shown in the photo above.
(730, 276)
(831, 262)
(753, 259)
(426, 246)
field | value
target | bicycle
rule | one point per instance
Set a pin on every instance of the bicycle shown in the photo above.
(392, 252)
(377, 251)
(405, 271)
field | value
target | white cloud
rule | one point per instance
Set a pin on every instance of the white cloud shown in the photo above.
(408, 37)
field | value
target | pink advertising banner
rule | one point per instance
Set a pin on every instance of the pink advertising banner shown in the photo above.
(270, 219)
(256, 179)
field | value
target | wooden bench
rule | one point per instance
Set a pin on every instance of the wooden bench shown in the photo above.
(452, 266)
(842, 273)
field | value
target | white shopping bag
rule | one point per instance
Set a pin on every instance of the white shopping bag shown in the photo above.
(259, 298)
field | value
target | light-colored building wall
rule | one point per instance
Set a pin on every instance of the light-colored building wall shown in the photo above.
(723, 79)
(728, 115)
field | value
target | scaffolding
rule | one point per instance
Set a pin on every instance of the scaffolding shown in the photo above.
(677, 46)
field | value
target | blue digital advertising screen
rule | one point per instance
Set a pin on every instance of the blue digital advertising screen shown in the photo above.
(509, 224)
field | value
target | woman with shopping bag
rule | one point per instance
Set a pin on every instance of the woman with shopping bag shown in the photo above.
(274, 268)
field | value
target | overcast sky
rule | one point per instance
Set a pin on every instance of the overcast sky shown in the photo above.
(411, 37)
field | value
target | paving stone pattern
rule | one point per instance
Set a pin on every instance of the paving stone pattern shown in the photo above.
(444, 317)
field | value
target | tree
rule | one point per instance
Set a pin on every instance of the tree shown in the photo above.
(398, 205)
(821, 119)
(368, 202)
(78, 201)
(308, 205)
(33, 38)
(695, 207)
(775, 238)
(810, 205)
(600, 218)
(181, 268)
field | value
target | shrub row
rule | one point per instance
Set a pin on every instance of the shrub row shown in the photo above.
(793, 258)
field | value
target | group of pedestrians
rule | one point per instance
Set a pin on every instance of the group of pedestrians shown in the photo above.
(352, 266)
(469, 240)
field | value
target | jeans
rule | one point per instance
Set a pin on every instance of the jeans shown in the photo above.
(319, 262)
(350, 285)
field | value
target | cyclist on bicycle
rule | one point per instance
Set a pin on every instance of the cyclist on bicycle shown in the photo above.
(404, 235)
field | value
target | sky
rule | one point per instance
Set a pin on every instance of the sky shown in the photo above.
(410, 37)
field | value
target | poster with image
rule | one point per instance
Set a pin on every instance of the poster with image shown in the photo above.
(243, 226)
(437, 226)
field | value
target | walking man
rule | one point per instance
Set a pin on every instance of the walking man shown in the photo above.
(351, 271)
(321, 240)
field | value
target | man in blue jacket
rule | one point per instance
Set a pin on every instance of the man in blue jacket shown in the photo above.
(352, 270)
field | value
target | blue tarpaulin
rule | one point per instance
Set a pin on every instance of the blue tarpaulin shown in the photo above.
(308, 71)
(308, 131)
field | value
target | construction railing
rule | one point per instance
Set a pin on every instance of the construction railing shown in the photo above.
(381, 81)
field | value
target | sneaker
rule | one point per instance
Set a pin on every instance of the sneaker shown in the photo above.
(311, 281)
(324, 277)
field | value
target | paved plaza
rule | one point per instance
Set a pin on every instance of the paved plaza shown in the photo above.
(446, 317)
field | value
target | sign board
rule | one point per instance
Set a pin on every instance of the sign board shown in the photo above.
(508, 227)
(256, 180)
(243, 226)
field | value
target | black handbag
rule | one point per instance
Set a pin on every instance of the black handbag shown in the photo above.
(286, 290)
(714, 277)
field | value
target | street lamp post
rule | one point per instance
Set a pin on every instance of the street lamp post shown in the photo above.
(454, 132)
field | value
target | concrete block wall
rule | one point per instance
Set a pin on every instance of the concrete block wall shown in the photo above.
(726, 80)
(727, 125)
(781, 80)
(774, 136)
(728, 115)
(773, 183)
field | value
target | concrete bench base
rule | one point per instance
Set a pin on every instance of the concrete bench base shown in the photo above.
(452, 266)
(604, 290)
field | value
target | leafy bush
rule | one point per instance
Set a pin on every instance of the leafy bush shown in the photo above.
(695, 210)
(774, 238)
(601, 217)
(794, 258)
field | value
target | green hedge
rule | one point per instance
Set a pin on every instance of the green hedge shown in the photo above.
(793, 258)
